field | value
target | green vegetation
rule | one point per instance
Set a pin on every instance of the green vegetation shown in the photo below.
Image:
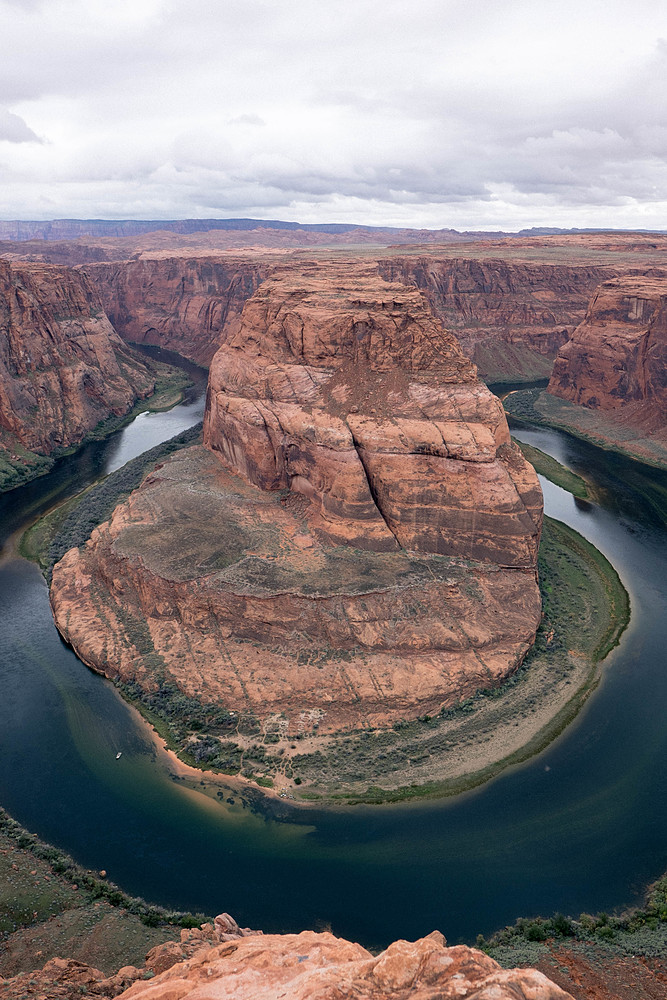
(72, 523)
(585, 610)
(552, 470)
(637, 931)
(599, 427)
(39, 882)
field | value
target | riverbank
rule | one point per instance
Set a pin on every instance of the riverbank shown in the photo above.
(552, 470)
(603, 428)
(50, 906)
(170, 386)
(585, 611)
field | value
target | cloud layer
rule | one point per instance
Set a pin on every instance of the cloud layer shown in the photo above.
(465, 113)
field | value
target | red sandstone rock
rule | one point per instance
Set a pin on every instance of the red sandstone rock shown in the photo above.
(345, 388)
(617, 358)
(310, 966)
(500, 310)
(377, 559)
(184, 304)
(63, 369)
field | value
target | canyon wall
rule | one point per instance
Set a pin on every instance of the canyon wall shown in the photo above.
(510, 317)
(617, 357)
(184, 304)
(356, 544)
(63, 369)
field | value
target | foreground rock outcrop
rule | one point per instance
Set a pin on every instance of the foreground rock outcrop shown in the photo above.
(63, 369)
(356, 545)
(306, 966)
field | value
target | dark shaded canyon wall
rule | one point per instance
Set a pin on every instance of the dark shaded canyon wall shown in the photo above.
(63, 368)
(184, 304)
(617, 358)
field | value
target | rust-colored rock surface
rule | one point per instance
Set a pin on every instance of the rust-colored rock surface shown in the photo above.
(510, 316)
(356, 545)
(186, 304)
(63, 369)
(310, 966)
(229, 593)
(345, 388)
(617, 358)
(209, 965)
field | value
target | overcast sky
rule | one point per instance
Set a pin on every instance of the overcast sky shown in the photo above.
(492, 114)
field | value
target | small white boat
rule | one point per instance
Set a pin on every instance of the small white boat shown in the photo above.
(119, 754)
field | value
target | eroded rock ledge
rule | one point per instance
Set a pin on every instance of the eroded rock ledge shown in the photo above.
(356, 545)
(248, 965)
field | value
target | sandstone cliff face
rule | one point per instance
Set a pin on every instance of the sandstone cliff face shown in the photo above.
(184, 304)
(356, 545)
(210, 964)
(63, 369)
(504, 314)
(617, 358)
(345, 389)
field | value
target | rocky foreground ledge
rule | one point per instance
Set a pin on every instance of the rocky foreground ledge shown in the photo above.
(222, 961)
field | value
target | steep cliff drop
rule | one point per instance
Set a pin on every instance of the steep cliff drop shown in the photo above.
(510, 317)
(356, 545)
(609, 383)
(187, 304)
(63, 369)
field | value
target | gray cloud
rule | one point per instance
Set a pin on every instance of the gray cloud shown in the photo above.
(14, 129)
(444, 113)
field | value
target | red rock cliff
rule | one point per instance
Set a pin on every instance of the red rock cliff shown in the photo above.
(184, 304)
(489, 302)
(617, 358)
(357, 544)
(63, 369)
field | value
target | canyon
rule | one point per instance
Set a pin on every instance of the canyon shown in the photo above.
(63, 368)
(355, 544)
(317, 518)
(609, 381)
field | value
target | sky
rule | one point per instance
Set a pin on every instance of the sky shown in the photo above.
(469, 114)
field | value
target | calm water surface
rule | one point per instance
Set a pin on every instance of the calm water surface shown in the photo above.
(581, 827)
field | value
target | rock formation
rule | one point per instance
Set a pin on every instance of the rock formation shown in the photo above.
(617, 358)
(187, 304)
(510, 317)
(356, 545)
(63, 369)
(307, 966)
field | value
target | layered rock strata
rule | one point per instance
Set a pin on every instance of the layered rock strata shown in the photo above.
(510, 317)
(63, 369)
(186, 304)
(356, 545)
(617, 358)
(347, 390)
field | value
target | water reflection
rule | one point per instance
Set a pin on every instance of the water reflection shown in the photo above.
(581, 827)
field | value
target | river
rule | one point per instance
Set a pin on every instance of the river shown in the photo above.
(581, 827)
